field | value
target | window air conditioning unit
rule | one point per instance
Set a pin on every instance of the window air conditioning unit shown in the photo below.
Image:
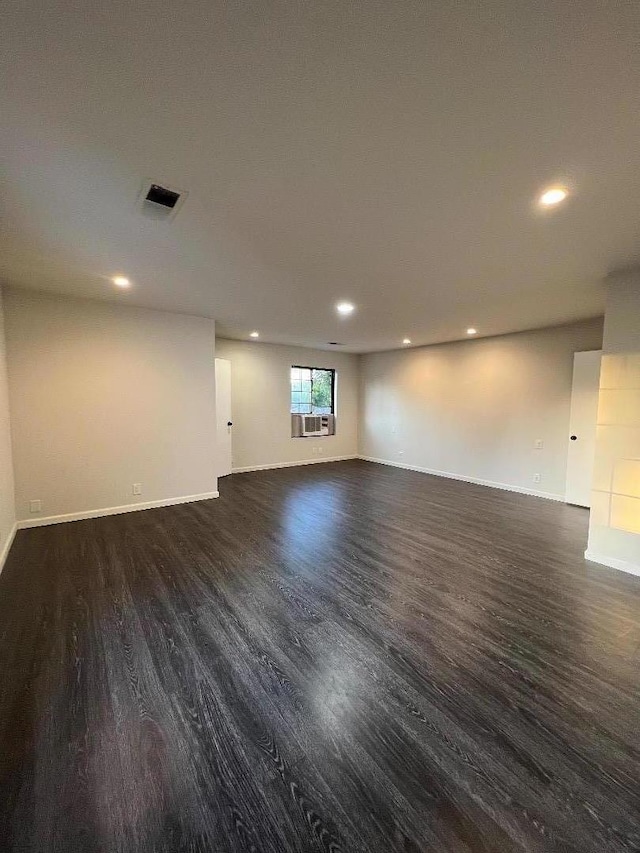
(311, 425)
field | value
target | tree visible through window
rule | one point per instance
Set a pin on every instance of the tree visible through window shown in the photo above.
(312, 391)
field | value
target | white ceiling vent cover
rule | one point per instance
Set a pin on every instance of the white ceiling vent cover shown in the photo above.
(158, 200)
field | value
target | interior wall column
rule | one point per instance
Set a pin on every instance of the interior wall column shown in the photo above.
(614, 528)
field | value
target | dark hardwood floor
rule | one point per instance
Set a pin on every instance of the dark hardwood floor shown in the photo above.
(337, 657)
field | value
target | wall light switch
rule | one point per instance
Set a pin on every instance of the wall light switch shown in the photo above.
(137, 488)
(539, 444)
(35, 506)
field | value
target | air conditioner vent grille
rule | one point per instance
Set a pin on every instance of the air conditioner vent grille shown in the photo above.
(312, 425)
(162, 196)
(160, 202)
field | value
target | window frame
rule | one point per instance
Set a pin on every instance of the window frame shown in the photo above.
(330, 370)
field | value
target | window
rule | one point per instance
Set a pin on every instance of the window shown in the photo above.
(312, 391)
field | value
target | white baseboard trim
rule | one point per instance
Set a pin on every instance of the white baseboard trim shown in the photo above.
(113, 510)
(612, 563)
(292, 464)
(551, 496)
(7, 546)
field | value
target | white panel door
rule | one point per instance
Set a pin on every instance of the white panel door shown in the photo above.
(582, 427)
(224, 424)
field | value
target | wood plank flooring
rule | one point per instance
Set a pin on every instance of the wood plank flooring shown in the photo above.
(340, 657)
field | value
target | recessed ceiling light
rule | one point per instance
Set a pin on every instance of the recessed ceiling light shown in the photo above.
(472, 331)
(345, 308)
(406, 341)
(121, 281)
(553, 196)
(254, 335)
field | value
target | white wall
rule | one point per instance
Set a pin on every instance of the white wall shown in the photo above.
(261, 398)
(614, 529)
(474, 409)
(7, 507)
(103, 396)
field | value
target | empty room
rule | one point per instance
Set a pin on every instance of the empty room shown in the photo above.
(320, 427)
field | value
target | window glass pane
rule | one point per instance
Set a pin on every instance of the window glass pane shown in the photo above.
(322, 391)
(311, 390)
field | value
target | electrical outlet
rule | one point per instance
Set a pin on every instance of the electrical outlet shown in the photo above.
(538, 444)
(137, 488)
(321, 450)
(35, 506)
(536, 478)
(401, 453)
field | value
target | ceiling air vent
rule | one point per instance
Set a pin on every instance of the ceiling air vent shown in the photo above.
(158, 201)
(162, 196)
